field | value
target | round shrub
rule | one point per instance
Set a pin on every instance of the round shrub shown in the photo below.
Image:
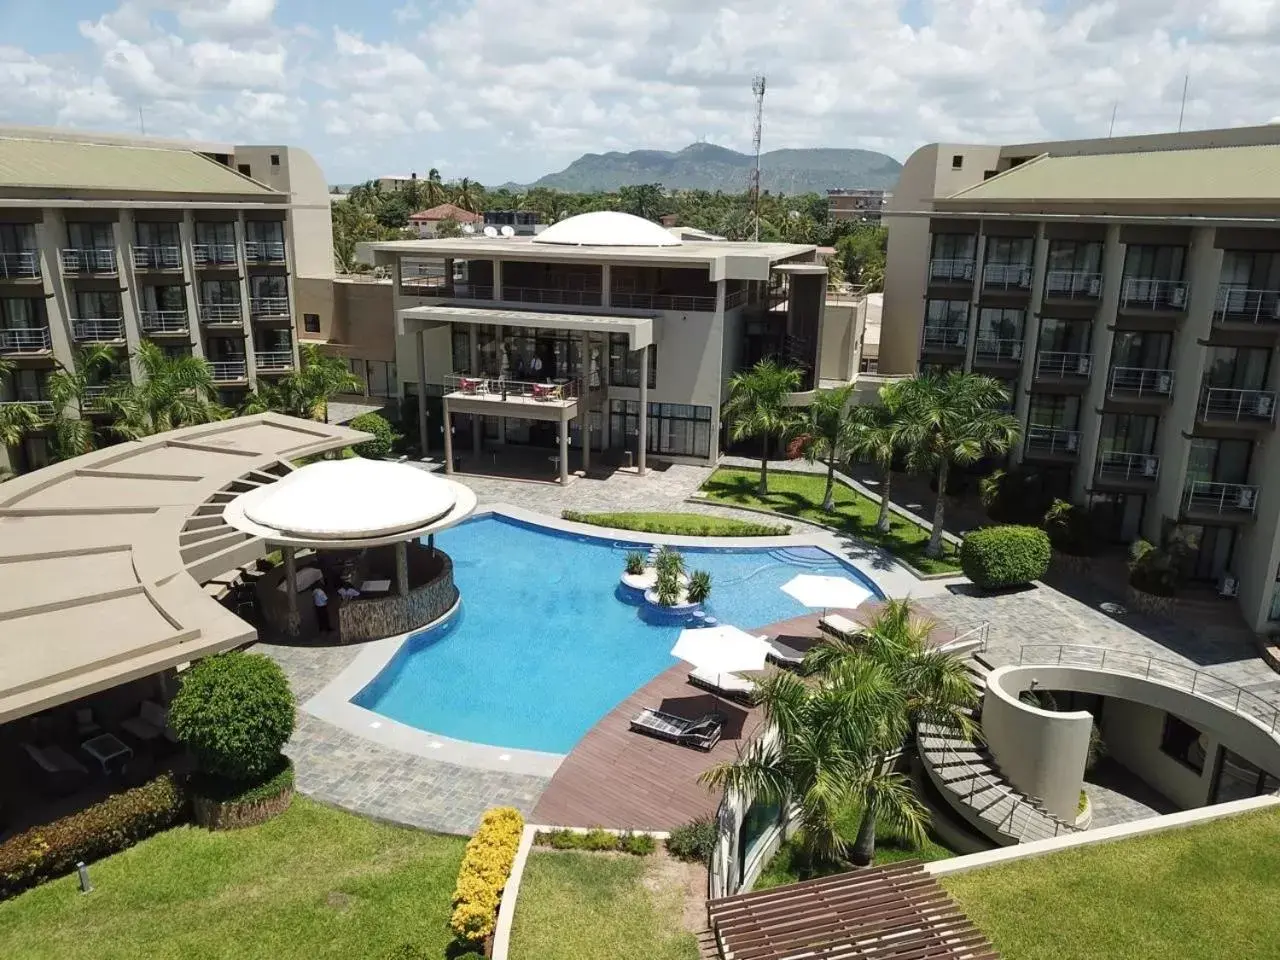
(384, 435)
(695, 840)
(234, 711)
(997, 557)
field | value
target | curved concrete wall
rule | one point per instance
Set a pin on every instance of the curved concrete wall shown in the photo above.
(1042, 752)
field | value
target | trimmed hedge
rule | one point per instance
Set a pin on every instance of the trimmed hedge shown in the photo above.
(221, 804)
(683, 524)
(52, 850)
(1009, 556)
(384, 435)
(637, 844)
(486, 865)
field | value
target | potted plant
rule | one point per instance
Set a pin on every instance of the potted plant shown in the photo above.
(1153, 577)
(669, 561)
(699, 588)
(667, 590)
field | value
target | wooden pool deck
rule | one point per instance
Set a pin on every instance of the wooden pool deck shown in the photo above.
(620, 779)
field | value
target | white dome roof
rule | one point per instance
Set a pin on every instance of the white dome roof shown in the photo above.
(607, 228)
(351, 500)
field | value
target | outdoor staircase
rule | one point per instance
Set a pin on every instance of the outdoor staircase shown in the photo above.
(207, 544)
(810, 557)
(968, 778)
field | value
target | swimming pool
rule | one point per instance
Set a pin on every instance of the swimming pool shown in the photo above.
(542, 647)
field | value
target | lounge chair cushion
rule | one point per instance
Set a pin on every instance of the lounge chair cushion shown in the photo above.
(783, 653)
(728, 682)
(837, 624)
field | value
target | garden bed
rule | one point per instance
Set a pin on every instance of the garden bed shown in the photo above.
(221, 805)
(682, 524)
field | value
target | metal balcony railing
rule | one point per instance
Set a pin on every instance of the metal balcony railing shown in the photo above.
(42, 408)
(735, 298)
(93, 400)
(264, 251)
(164, 321)
(1052, 441)
(273, 361)
(25, 340)
(89, 260)
(998, 350)
(1117, 465)
(1063, 364)
(1141, 382)
(100, 330)
(220, 312)
(269, 307)
(951, 271)
(1225, 404)
(1007, 276)
(499, 388)
(944, 338)
(577, 298)
(157, 258)
(1137, 293)
(658, 301)
(227, 371)
(1221, 499)
(214, 254)
(23, 265)
(1238, 304)
(1072, 285)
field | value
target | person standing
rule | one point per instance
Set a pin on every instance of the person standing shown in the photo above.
(321, 599)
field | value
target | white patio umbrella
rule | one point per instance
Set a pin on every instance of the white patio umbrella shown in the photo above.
(720, 650)
(816, 591)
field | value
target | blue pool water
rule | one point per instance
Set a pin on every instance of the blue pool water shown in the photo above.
(542, 646)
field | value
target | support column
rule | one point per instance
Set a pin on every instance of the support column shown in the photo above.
(448, 438)
(130, 295)
(291, 587)
(497, 280)
(644, 410)
(975, 296)
(606, 285)
(402, 569)
(1030, 338)
(564, 451)
(420, 348)
(585, 433)
(186, 239)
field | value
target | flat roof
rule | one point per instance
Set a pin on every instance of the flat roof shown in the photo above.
(103, 558)
(1206, 175)
(41, 164)
(639, 330)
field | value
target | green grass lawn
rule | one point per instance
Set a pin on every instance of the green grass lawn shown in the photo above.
(592, 906)
(800, 495)
(314, 882)
(686, 524)
(1200, 893)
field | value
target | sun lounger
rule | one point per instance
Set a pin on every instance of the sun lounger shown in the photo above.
(151, 723)
(54, 760)
(842, 628)
(784, 654)
(702, 733)
(726, 684)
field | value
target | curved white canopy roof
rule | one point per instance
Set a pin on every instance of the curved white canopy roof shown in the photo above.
(607, 228)
(351, 503)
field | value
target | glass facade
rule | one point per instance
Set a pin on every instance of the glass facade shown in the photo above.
(676, 429)
(624, 363)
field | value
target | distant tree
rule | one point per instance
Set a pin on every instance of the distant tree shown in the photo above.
(174, 392)
(862, 253)
(435, 192)
(643, 200)
(448, 227)
(826, 429)
(467, 195)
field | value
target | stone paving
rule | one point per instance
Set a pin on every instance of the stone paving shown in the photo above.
(344, 769)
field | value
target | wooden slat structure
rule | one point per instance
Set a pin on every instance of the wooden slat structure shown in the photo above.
(896, 912)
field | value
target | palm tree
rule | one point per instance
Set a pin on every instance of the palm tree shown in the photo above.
(467, 195)
(757, 406)
(70, 431)
(16, 419)
(176, 392)
(876, 435)
(826, 429)
(930, 686)
(324, 377)
(957, 418)
(435, 188)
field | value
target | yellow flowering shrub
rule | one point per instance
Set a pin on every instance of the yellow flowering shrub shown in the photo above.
(486, 865)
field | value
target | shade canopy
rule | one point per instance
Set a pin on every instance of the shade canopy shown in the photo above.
(722, 649)
(607, 228)
(816, 591)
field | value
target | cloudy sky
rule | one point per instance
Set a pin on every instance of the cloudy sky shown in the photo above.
(512, 89)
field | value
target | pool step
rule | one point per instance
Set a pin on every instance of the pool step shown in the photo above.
(802, 557)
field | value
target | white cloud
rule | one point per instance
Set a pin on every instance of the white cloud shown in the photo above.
(406, 14)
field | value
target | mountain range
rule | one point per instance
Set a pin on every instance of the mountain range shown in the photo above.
(705, 166)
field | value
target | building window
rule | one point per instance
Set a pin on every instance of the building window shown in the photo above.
(311, 322)
(244, 168)
(957, 162)
(675, 429)
(1181, 741)
(275, 159)
(624, 363)
(462, 349)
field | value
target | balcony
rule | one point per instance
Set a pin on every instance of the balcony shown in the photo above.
(164, 322)
(1140, 383)
(997, 350)
(1118, 467)
(157, 258)
(529, 394)
(22, 265)
(273, 361)
(1056, 443)
(214, 255)
(106, 330)
(1150, 294)
(94, 399)
(258, 252)
(944, 338)
(951, 271)
(1237, 304)
(228, 371)
(221, 314)
(1063, 365)
(1226, 405)
(1072, 285)
(1006, 276)
(42, 408)
(654, 301)
(1223, 501)
(89, 262)
(22, 340)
